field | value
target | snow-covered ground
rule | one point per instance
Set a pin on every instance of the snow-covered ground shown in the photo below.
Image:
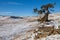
(10, 27)
(52, 37)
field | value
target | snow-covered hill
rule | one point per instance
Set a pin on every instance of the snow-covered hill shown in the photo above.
(18, 28)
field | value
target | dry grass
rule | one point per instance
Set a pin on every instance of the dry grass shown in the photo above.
(46, 31)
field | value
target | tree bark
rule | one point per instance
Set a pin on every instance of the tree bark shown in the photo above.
(45, 18)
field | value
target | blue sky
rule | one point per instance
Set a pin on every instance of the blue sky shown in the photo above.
(24, 7)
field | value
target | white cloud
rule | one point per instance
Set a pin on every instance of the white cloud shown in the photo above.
(12, 3)
(6, 13)
(15, 3)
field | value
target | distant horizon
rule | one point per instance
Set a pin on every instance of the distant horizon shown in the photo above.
(27, 15)
(25, 7)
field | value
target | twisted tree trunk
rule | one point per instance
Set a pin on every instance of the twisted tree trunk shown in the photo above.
(45, 18)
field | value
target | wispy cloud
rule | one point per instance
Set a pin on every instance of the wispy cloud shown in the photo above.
(12, 3)
(6, 13)
(15, 3)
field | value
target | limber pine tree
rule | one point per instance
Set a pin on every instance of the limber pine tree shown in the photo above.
(44, 9)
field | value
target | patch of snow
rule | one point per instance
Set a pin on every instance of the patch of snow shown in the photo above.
(52, 37)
